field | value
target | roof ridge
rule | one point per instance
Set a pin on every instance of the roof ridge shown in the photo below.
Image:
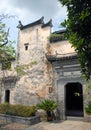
(49, 23)
(39, 21)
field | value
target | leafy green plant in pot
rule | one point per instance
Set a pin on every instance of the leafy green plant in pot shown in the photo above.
(48, 106)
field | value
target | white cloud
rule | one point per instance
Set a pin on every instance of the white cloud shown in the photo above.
(30, 10)
(33, 9)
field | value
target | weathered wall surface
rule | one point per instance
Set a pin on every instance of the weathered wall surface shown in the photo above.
(37, 37)
(7, 80)
(36, 75)
(62, 47)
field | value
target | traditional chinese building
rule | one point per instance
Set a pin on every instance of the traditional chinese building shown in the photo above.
(46, 67)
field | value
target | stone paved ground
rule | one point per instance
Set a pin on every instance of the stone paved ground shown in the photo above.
(62, 125)
(11, 126)
(65, 125)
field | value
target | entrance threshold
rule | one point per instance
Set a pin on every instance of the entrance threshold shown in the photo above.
(74, 118)
(74, 113)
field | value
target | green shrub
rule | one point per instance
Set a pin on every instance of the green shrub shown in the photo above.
(88, 108)
(17, 110)
(4, 108)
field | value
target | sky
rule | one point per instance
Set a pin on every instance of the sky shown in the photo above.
(28, 11)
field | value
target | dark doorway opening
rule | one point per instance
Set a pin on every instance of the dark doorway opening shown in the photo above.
(74, 99)
(7, 96)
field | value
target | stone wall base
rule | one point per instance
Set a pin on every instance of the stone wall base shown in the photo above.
(88, 118)
(24, 120)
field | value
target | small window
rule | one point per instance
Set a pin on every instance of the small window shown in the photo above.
(7, 96)
(26, 46)
(6, 65)
(50, 89)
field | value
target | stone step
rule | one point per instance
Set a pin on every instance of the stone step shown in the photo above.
(75, 118)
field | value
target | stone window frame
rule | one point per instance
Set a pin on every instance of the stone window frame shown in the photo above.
(26, 46)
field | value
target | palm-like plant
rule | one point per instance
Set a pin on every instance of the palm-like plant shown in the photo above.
(48, 105)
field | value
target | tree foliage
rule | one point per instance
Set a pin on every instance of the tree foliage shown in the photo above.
(78, 26)
(6, 46)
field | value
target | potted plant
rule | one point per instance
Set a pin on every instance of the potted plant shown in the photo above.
(48, 106)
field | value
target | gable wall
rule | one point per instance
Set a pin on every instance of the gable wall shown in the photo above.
(36, 78)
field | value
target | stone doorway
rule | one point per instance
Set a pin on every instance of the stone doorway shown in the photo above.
(74, 99)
